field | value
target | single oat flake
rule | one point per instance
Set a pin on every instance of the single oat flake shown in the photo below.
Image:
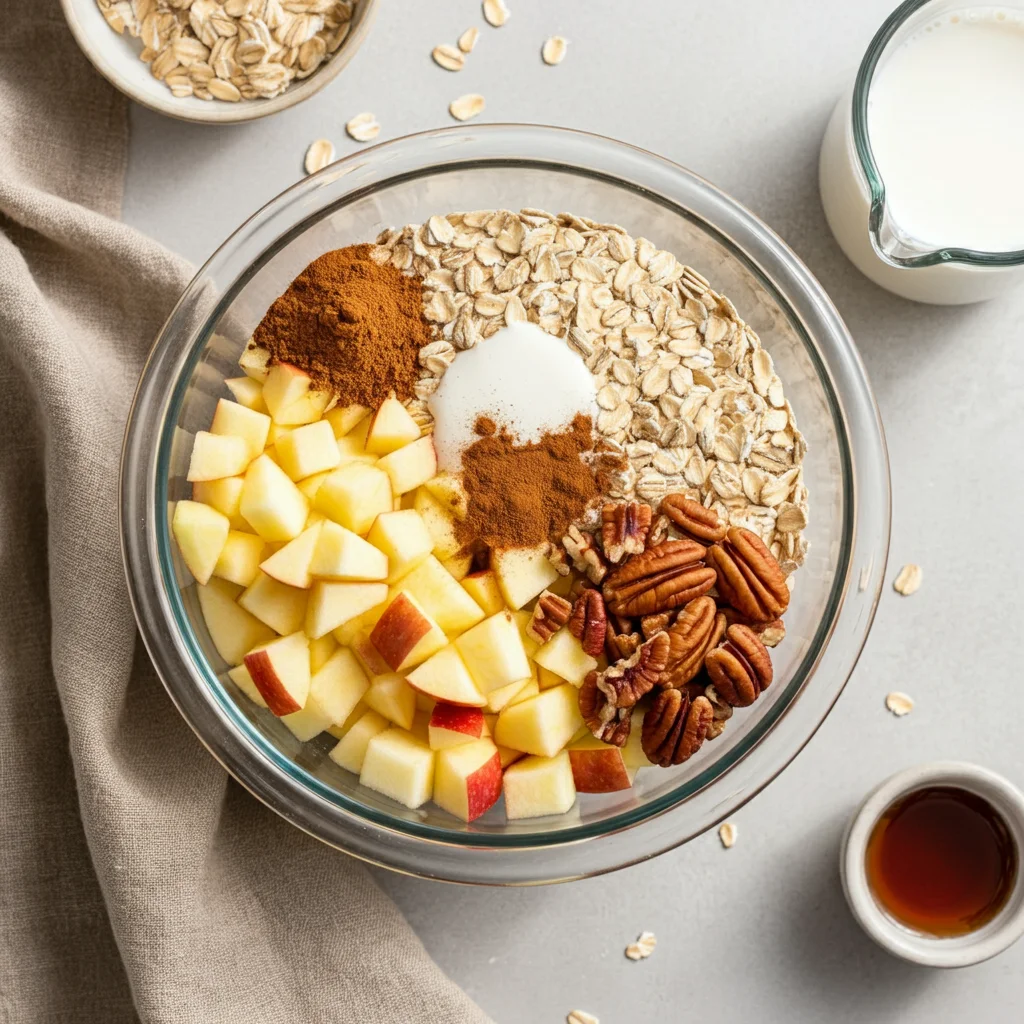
(495, 12)
(643, 947)
(581, 1017)
(449, 57)
(727, 834)
(363, 127)
(554, 49)
(467, 106)
(468, 39)
(908, 580)
(899, 703)
(319, 155)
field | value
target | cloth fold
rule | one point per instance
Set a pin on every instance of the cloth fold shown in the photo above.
(136, 880)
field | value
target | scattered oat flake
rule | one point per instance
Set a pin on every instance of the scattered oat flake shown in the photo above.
(449, 57)
(581, 1017)
(908, 580)
(643, 947)
(319, 155)
(363, 127)
(468, 39)
(495, 12)
(899, 703)
(727, 833)
(467, 106)
(553, 50)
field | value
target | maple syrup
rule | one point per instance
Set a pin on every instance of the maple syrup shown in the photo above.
(942, 861)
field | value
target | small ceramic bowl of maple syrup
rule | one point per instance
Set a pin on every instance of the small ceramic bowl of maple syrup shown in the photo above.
(931, 864)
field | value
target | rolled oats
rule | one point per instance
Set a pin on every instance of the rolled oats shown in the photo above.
(643, 947)
(727, 834)
(684, 387)
(899, 703)
(449, 57)
(466, 107)
(495, 12)
(468, 39)
(363, 128)
(908, 580)
(319, 155)
(553, 50)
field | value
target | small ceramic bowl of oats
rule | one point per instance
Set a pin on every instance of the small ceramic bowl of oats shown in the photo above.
(219, 61)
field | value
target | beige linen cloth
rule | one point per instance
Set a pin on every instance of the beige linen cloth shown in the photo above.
(137, 882)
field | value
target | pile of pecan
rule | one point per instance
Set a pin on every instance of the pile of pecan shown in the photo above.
(680, 605)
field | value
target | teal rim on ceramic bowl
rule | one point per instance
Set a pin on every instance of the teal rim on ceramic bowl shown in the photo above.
(541, 849)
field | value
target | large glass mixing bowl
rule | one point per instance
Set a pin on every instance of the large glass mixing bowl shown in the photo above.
(515, 166)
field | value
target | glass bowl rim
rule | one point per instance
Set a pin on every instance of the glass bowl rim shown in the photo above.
(271, 758)
(869, 166)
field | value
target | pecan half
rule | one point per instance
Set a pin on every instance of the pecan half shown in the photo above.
(693, 518)
(741, 668)
(550, 614)
(620, 645)
(651, 624)
(582, 549)
(662, 578)
(674, 727)
(749, 577)
(697, 630)
(624, 528)
(602, 718)
(589, 622)
(604, 695)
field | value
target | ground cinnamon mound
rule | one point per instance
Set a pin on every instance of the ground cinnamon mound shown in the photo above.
(354, 326)
(523, 495)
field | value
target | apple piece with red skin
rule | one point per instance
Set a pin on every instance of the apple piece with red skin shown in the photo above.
(280, 671)
(598, 767)
(444, 677)
(233, 630)
(405, 634)
(451, 725)
(467, 779)
(368, 655)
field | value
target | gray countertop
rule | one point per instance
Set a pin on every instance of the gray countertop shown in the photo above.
(739, 92)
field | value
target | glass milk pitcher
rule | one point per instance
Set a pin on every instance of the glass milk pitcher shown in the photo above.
(922, 164)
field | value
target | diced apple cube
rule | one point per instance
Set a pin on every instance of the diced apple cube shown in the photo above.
(307, 450)
(349, 632)
(340, 731)
(546, 678)
(334, 691)
(274, 507)
(538, 786)
(391, 428)
(399, 766)
(290, 564)
(458, 566)
(333, 604)
(350, 449)
(444, 677)
(285, 384)
(311, 485)
(354, 495)
(522, 573)
(343, 418)
(254, 362)
(451, 725)
(281, 607)
(530, 689)
(232, 629)
(483, 588)
(504, 695)
(341, 554)
(240, 558)
(405, 634)
(564, 656)
(231, 419)
(218, 455)
(368, 655)
(320, 650)
(541, 725)
(633, 752)
(598, 767)
(247, 392)
(201, 533)
(391, 696)
(450, 493)
(358, 434)
(351, 750)
(442, 598)
(530, 643)
(467, 779)
(280, 670)
(239, 675)
(404, 538)
(493, 652)
(410, 466)
(224, 495)
(439, 523)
